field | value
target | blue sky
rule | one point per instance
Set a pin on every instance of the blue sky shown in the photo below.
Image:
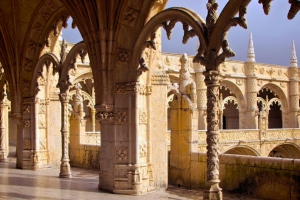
(272, 34)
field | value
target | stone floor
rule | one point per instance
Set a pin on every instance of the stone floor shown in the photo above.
(45, 185)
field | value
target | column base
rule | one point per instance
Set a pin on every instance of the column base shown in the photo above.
(3, 157)
(65, 171)
(213, 191)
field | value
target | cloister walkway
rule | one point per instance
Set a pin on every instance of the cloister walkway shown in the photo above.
(45, 185)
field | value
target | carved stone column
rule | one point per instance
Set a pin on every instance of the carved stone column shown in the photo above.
(294, 90)
(201, 95)
(213, 191)
(252, 110)
(3, 132)
(93, 118)
(65, 170)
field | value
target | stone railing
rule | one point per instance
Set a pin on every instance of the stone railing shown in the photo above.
(93, 138)
(238, 136)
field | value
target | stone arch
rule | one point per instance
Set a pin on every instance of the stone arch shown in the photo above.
(278, 91)
(236, 90)
(44, 22)
(167, 19)
(78, 49)
(281, 100)
(285, 150)
(46, 59)
(241, 150)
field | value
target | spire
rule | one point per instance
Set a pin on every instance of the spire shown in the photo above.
(250, 54)
(293, 59)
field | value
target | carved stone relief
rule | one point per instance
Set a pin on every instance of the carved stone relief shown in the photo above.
(27, 143)
(121, 153)
(126, 87)
(26, 85)
(143, 150)
(26, 123)
(160, 79)
(121, 116)
(123, 56)
(130, 17)
(26, 109)
(28, 65)
(105, 116)
(143, 116)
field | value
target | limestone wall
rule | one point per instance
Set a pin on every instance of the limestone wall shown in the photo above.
(261, 177)
(87, 156)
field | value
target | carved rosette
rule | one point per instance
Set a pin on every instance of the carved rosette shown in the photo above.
(130, 17)
(212, 81)
(123, 56)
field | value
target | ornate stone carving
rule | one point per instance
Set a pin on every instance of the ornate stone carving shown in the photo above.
(234, 68)
(282, 84)
(121, 116)
(143, 150)
(121, 153)
(160, 79)
(46, 14)
(26, 109)
(266, 5)
(295, 7)
(43, 144)
(26, 123)
(130, 17)
(42, 121)
(26, 143)
(145, 89)
(239, 82)
(212, 81)
(28, 65)
(143, 118)
(38, 28)
(26, 85)
(169, 27)
(123, 56)
(105, 116)
(262, 70)
(270, 71)
(126, 87)
(32, 45)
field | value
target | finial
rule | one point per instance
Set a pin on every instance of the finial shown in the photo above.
(250, 54)
(293, 59)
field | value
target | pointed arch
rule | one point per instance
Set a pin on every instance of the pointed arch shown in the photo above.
(46, 59)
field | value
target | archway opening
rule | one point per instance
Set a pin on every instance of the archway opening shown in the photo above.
(241, 151)
(285, 151)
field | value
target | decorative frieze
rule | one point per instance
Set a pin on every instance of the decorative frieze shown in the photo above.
(126, 87)
(121, 116)
(130, 17)
(145, 89)
(121, 153)
(160, 79)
